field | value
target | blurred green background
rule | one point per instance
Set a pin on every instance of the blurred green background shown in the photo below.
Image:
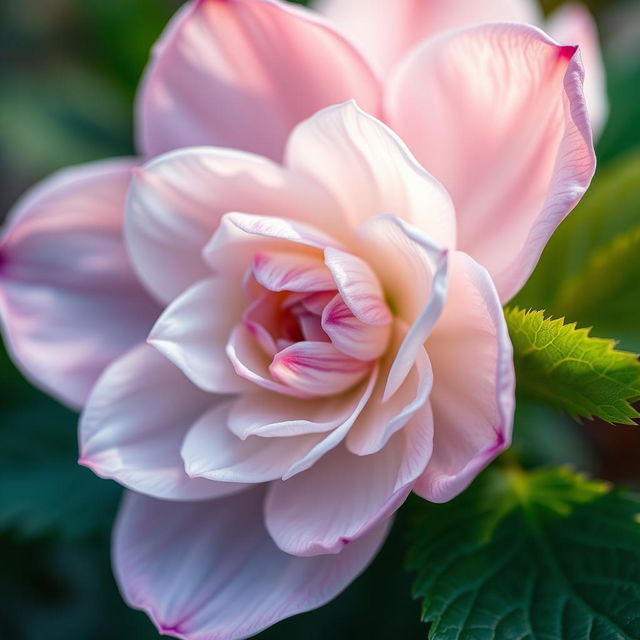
(68, 74)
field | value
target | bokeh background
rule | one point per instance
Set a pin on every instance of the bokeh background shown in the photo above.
(68, 75)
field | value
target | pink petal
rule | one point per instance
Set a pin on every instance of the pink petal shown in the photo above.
(359, 287)
(413, 271)
(343, 496)
(240, 236)
(385, 30)
(177, 201)
(317, 368)
(69, 299)
(193, 332)
(369, 170)
(269, 415)
(242, 73)
(209, 571)
(211, 451)
(380, 420)
(133, 425)
(252, 363)
(280, 271)
(572, 24)
(472, 405)
(351, 336)
(508, 134)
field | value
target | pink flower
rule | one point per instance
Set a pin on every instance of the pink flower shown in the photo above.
(273, 353)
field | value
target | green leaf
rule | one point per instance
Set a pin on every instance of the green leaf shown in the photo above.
(547, 555)
(573, 371)
(610, 208)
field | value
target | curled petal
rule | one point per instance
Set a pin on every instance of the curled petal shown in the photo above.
(369, 170)
(70, 301)
(194, 330)
(507, 133)
(350, 335)
(177, 201)
(134, 423)
(220, 64)
(343, 496)
(317, 368)
(291, 272)
(473, 390)
(413, 270)
(206, 570)
(570, 24)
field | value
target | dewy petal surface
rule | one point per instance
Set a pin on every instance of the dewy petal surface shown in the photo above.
(177, 201)
(504, 126)
(368, 169)
(342, 496)
(210, 571)
(386, 30)
(222, 62)
(135, 421)
(473, 391)
(69, 299)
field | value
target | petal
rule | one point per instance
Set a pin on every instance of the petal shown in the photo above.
(133, 425)
(194, 330)
(210, 570)
(381, 419)
(413, 271)
(472, 405)
(572, 23)
(69, 299)
(240, 236)
(211, 451)
(269, 415)
(317, 368)
(359, 287)
(279, 271)
(242, 74)
(351, 336)
(176, 203)
(385, 31)
(343, 496)
(369, 170)
(508, 134)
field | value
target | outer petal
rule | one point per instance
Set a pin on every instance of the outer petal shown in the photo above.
(385, 30)
(69, 299)
(506, 131)
(176, 203)
(242, 74)
(343, 496)
(194, 330)
(473, 392)
(369, 171)
(134, 423)
(573, 24)
(209, 571)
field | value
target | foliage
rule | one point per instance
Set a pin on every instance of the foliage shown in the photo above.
(547, 555)
(571, 370)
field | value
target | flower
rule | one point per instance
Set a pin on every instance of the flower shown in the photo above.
(272, 353)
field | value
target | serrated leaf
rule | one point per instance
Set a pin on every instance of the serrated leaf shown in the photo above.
(547, 555)
(573, 371)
